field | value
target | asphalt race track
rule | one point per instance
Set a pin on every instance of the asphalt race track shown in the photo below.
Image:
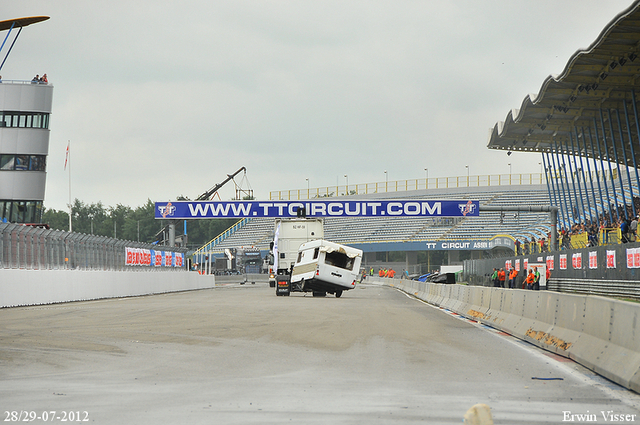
(237, 354)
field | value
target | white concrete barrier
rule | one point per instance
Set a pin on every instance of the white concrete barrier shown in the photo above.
(35, 287)
(495, 315)
(600, 333)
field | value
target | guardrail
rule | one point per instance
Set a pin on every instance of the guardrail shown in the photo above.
(206, 248)
(407, 185)
(37, 248)
(3, 81)
(626, 289)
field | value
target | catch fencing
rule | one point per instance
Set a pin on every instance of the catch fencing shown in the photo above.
(38, 248)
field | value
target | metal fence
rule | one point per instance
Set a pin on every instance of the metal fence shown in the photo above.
(407, 185)
(38, 248)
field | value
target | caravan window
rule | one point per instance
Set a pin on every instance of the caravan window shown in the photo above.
(315, 253)
(338, 259)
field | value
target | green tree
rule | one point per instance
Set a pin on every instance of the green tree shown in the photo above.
(58, 220)
(132, 224)
(140, 224)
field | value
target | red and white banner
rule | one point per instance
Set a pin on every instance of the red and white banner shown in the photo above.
(563, 261)
(593, 259)
(550, 262)
(148, 257)
(611, 259)
(576, 260)
(633, 258)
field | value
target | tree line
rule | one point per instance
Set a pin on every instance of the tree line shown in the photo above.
(124, 222)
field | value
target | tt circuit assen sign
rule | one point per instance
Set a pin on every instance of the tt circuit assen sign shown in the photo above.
(332, 208)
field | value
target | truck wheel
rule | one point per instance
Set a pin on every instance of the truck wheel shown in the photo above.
(338, 294)
(319, 294)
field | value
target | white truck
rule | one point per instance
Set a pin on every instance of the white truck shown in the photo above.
(290, 233)
(322, 267)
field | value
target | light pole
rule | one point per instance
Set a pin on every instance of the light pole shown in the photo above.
(346, 177)
(540, 164)
(426, 177)
(308, 193)
(467, 167)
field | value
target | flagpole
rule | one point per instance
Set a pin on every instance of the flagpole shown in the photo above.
(68, 161)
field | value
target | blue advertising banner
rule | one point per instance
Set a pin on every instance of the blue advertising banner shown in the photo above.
(332, 208)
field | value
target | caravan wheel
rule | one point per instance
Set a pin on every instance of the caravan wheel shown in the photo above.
(338, 293)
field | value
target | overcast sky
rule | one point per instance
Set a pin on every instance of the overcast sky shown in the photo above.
(161, 98)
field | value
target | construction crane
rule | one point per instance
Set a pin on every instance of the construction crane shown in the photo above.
(169, 229)
(208, 195)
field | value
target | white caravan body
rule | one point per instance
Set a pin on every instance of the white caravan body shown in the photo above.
(325, 266)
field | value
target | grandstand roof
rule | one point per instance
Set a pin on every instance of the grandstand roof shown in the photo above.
(21, 22)
(597, 83)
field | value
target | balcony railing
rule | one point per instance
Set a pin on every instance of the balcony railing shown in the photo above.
(407, 185)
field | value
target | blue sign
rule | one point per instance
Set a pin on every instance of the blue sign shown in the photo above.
(333, 208)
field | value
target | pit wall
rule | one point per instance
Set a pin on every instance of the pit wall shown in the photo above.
(34, 287)
(600, 333)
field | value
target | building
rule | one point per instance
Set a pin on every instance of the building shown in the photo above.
(25, 107)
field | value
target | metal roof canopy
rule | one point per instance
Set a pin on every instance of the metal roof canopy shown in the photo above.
(593, 97)
(10, 24)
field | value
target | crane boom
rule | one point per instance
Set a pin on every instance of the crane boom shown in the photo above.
(209, 193)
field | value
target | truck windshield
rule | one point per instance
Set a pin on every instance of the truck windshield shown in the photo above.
(338, 259)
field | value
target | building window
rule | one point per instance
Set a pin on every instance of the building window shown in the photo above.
(10, 162)
(24, 119)
(21, 211)
(7, 162)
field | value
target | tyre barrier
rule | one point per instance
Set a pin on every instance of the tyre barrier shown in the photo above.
(600, 333)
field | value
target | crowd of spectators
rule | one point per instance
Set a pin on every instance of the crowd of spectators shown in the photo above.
(621, 221)
(620, 226)
(40, 80)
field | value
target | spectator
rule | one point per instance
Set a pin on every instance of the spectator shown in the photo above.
(536, 279)
(624, 230)
(513, 274)
(502, 277)
(530, 279)
(494, 278)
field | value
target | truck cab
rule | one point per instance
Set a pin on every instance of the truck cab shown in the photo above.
(289, 234)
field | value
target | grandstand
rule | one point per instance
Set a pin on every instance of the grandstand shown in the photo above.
(378, 232)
